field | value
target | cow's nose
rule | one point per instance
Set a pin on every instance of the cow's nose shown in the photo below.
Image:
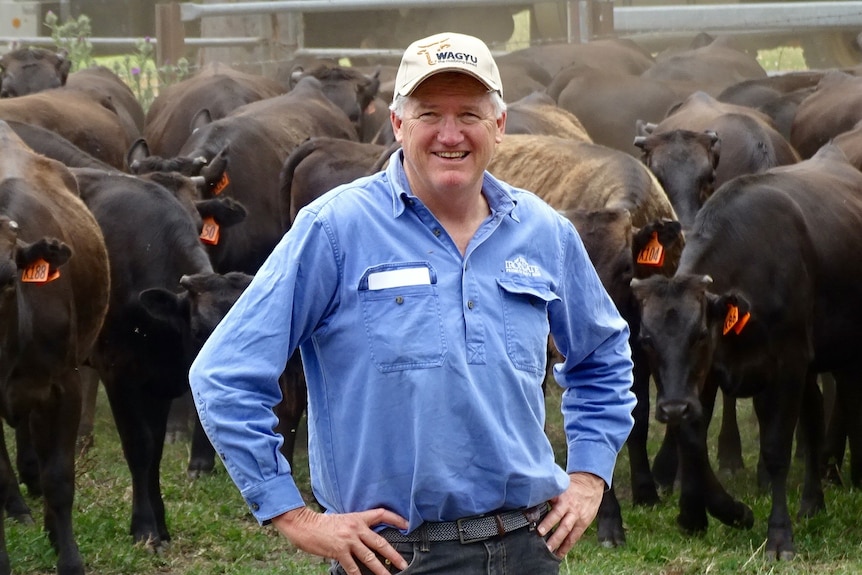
(672, 411)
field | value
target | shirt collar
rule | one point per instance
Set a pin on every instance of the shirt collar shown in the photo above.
(499, 195)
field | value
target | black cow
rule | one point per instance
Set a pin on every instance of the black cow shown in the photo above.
(142, 360)
(30, 69)
(212, 93)
(766, 296)
(320, 164)
(259, 137)
(349, 89)
(49, 326)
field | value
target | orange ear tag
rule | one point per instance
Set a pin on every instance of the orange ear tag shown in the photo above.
(39, 272)
(653, 252)
(210, 231)
(221, 184)
(741, 323)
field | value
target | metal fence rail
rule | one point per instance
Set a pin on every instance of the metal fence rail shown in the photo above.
(626, 20)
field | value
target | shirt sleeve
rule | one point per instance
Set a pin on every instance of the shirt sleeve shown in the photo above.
(234, 378)
(596, 372)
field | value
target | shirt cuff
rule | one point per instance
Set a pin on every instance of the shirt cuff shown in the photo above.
(273, 497)
(595, 458)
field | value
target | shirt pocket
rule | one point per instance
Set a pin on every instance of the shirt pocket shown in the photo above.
(403, 322)
(525, 317)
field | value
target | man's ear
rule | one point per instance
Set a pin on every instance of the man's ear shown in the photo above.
(501, 128)
(396, 126)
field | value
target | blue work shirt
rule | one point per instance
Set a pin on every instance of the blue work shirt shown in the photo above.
(424, 367)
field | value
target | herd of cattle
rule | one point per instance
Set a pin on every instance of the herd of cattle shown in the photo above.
(721, 206)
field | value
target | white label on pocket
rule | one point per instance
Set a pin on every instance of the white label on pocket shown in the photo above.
(399, 278)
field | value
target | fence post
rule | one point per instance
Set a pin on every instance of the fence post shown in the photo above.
(170, 34)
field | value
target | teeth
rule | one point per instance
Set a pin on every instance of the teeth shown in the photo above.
(451, 155)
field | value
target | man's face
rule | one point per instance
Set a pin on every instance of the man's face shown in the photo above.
(448, 132)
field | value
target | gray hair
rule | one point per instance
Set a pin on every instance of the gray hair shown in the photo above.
(399, 101)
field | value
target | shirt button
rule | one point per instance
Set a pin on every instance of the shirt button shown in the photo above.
(399, 300)
(470, 304)
(437, 232)
(255, 507)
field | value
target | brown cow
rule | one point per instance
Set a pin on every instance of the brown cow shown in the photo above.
(215, 91)
(75, 116)
(833, 108)
(710, 68)
(30, 70)
(49, 329)
(617, 192)
(539, 114)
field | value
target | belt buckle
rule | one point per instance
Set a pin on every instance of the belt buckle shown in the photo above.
(459, 525)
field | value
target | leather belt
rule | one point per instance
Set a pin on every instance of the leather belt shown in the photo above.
(471, 529)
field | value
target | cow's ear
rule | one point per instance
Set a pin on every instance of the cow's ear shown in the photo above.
(714, 147)
(731, 310)
(64, 64)
(201, 118)
(295, 76)
(225, 211)
(214, 169)
(51, 250)
(165, 305)
(667, 234)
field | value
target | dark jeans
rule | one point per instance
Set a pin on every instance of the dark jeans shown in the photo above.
(521, 552)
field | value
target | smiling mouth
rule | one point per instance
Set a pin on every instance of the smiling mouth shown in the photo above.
(451, 155)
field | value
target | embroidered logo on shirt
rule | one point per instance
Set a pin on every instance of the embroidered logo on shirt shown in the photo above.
(521, 267)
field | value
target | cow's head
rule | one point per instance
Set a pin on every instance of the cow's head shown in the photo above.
(350, 90)
(680, 326)
(29, 70)
(684, 162)
(195, 311)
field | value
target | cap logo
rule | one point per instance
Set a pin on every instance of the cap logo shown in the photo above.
(437, 52)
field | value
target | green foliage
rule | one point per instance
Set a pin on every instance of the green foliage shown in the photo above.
(73, 36)
(138, 69)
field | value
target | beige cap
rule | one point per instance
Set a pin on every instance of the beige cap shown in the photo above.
(446, 52)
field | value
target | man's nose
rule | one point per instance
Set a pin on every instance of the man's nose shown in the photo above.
(450, 131)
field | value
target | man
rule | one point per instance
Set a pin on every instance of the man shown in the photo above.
(421, 299)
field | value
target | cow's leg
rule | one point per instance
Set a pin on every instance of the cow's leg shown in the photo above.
(609, 521)
(27, 461)
(849, 398)
(643, 485)
(665, 467)
(777, 410)
(294, 400)
(10, 492)
(811, 428)
(156, 415)
(835, 443)
(129, 407)
(701, 490)
(54, 430)
(729, 442)
(11, 496)
(202, 459)
(89, 394)
(182, 412)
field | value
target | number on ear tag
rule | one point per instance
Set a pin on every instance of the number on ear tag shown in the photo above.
(221, 184)
(210, 231)
(39, 272)
(653, 252)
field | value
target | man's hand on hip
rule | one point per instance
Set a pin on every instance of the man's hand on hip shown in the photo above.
(572, 512)
(347, 538)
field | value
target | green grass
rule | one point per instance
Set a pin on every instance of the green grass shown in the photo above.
(213, 532)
